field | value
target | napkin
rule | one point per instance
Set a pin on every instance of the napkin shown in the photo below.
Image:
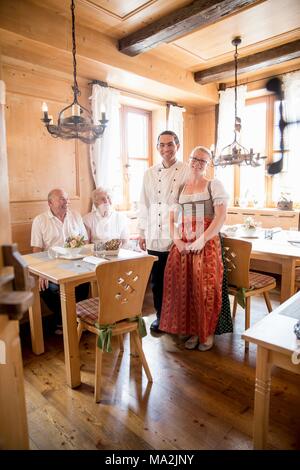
(94, 260)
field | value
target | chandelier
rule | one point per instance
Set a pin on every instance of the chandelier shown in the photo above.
(235, 153)
(74, 121)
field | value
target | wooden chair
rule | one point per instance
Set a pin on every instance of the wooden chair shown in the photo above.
(121, 287)
(243, 281)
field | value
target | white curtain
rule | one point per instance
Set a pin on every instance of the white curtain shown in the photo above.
(105, 153)
(288, 180)
(175, 124)
(226, 131)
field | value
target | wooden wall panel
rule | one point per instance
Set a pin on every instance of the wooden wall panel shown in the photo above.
(37, 162)
(206, 122)
(206, 126)
(190, 133)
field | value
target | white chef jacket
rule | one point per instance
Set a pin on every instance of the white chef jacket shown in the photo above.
(159, 193)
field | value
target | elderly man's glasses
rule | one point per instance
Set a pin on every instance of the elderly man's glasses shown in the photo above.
(198, 160)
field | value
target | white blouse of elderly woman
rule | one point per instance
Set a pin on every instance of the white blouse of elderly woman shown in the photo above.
(104, 223)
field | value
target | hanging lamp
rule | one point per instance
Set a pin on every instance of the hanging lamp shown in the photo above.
(74, 121)
(235, 153)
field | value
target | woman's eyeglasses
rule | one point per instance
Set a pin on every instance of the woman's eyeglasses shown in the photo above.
(199, 160)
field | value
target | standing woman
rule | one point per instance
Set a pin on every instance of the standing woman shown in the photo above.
(192, 298)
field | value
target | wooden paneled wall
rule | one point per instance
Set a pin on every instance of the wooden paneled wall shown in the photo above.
(190, 128)
(37, 162)
(206, 126)
(205, 130)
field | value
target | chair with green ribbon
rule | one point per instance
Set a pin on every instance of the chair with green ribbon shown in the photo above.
(117, 310)
(243, 283)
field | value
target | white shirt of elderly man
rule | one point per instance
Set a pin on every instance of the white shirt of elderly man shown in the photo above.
(53, 227)
(104, 223)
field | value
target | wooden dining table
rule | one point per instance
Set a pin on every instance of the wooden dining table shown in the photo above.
(276, 256)
(67, 274)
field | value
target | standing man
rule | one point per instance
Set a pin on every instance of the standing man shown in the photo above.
(159, 192)
(52, 228)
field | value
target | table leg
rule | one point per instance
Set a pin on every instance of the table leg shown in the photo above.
(71, 343)
(35, 321)
(262, 398)
(287, 279)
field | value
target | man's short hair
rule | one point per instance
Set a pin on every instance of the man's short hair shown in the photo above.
(52, 193)
(176, 140)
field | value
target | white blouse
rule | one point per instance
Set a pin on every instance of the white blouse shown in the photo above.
(218, 194)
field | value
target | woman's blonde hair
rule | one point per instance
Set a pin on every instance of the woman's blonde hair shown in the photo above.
(201, 148)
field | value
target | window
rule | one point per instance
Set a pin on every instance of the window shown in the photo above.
(252, 186)
(135, 153)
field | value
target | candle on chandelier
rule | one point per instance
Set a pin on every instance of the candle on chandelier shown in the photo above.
(75, 110)
(45, 110)
(103, 117)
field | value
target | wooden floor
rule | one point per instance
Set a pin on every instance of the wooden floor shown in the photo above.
(199, 400)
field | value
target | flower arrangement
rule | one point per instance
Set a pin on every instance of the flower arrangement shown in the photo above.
(250, 224)
(74, 241)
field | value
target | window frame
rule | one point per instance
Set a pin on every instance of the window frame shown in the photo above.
(269, 150)
(124, 110)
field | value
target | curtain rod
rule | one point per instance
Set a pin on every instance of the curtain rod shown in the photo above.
(172, 103)
(145, 98)
(222, 86)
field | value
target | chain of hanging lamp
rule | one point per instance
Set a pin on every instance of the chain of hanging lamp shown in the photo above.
(75, 121)
(75, 85)
(235, 153)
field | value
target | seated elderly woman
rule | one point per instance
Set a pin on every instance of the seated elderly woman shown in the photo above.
(104, 223)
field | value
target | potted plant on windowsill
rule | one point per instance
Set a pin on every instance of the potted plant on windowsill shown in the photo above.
(285, 203)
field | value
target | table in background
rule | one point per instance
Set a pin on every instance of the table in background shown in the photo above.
(275, 256)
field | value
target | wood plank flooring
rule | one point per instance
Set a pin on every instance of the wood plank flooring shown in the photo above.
(197, 401)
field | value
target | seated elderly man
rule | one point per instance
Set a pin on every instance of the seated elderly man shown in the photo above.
(52, 228)
(104, 223)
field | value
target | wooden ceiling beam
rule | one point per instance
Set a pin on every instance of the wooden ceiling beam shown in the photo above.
(251, 63)
(38, 35)
(185, 20)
